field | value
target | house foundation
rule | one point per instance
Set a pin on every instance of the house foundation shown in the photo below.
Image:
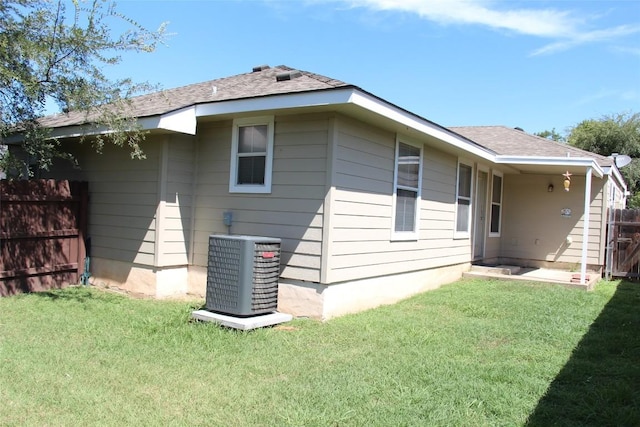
(298, 298)
(168, 282)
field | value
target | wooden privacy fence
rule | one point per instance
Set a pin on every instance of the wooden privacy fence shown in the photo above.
(43, 225)
(623, 248)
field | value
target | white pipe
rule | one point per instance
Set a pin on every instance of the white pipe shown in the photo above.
(585, 227)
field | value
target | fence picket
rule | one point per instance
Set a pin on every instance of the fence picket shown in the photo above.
(42, 231)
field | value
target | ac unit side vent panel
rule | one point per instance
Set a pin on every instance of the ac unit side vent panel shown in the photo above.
(242, 274)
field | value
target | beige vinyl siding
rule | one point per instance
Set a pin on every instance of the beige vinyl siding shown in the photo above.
(176, 188)
(362, 209)
(292, 212)
(123, 198)
(533, 227)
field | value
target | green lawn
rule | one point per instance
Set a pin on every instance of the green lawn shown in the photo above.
(472, 353)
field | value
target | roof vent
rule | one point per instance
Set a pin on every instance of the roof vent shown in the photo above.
(288, 75)
(519, 128)
(260, 68)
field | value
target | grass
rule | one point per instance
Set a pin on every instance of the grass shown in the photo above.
(473, 353)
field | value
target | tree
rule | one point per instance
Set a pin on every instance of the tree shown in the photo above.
(552, 135)
(55, 53)
(619, 133)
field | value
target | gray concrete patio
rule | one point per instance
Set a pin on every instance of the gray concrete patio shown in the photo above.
(533, 274)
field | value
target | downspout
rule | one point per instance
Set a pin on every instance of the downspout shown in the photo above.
(585, 226)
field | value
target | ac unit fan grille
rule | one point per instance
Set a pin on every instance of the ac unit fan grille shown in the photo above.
(223, 275)
(242, 275)
(266, 272)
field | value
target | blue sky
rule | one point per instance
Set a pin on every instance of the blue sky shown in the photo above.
(534, 64)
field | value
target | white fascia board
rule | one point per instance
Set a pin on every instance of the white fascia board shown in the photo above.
(341, 97)
(615, 172)
(276, 102)
(552, 161)
(183, 121)
(620, 178)
(78, 131)
(146, 123)
(399, 115)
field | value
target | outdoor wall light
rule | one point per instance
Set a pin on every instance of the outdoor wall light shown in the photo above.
(550, 188)
(567, 180)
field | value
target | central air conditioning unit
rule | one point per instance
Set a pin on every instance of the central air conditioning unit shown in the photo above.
(242, 275)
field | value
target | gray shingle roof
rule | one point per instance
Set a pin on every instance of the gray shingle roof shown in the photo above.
(513, 142)
(264, 81)
(249, 85)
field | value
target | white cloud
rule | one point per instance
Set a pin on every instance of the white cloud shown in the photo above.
(629, 95)
(587, 37)
(602, 94)
(630, 50)
(537, 22)
(565, 26)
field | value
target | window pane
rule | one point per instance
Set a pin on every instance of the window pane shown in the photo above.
(405, 150)
(464, 181)
(252, 139)
(495, 218)
(462, 222)
(251, 170)
(405, 210)
(497, 189)
(408, 175)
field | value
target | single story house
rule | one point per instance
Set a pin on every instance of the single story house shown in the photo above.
(373, 203)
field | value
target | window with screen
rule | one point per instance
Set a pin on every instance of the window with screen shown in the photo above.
(251, 155)
(496, 205)
(407, 189)
(463, 200)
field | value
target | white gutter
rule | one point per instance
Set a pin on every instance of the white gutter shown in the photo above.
(585, 162)
(374, 104)
(346, 96)
(615, 172)
(585, 227)
(184, 120)
(275, 102)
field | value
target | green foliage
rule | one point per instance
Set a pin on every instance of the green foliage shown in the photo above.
(631, 174)
(552, 135)
(52, 55)
(619, 133)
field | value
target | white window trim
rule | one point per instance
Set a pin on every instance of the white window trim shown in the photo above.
(268, 167)
(464, 234)
(415, 234)
(501, 204)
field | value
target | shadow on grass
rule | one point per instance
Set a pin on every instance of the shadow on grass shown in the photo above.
(80, 294)
(600, 384)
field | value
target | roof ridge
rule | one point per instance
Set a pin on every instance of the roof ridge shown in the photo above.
(318, 77)
(206, 82)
